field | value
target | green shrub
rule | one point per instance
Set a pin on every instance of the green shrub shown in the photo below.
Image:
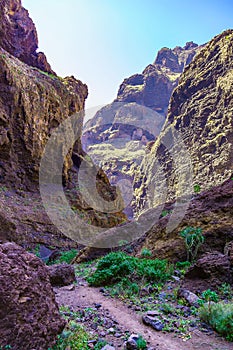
(115, 266)
(146, 253)
(197, 188)
(225, 290)
(75, 338)
(100, 344)
(66, 257)
(193, 238)
(141, 343)
(208, 296)
(183, 264)
(220, 317)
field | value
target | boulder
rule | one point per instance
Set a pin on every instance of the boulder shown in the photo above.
(61, 274)
(29, 315)
(131, 343)
(191, 298)
(108, 347)
(151, 320)
(211, 270)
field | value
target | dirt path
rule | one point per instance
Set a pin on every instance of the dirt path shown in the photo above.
(127, 319)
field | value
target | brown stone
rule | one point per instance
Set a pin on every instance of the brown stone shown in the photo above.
(33, 102)
(61, 274)
(212, 270)
(29, 315)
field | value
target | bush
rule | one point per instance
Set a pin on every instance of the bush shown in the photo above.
(100, 344)
(220, 317)
(75, 338)
(141, 343)
(193, 238)
(66, 257)
(114, 267)
(146, 253)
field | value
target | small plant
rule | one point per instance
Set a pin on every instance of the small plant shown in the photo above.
(183, 266)
(197, 188)
(66, 257)
(193, 238)
(146, 253)
(209, 296)
(225, 290)
(167, 308)
(164, 213)
(141, 343)
(73, 338)
(100, 344)
(36, 250)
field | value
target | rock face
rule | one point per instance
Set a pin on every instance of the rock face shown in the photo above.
(153, 88)
(212, 210)
(120, 134)
(33, 102)
(19, 36)
(27, 302)
(194, 152)
(31, 105)
(210, 271)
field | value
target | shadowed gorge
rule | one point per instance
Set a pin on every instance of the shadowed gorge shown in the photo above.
(116, 233)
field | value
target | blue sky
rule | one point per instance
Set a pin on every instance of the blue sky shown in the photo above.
(102, 42)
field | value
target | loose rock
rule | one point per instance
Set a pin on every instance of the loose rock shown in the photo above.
(61, 275)
(29, 315)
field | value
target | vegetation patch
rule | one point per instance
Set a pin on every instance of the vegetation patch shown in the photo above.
(74, 337)
(220, 317)
(118, 267)
(193, 238)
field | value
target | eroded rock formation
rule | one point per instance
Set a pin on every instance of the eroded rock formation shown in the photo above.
(18, 35)
(33, 102)
(200, 158)
(153, 87)
(29, 315)
(120, 134)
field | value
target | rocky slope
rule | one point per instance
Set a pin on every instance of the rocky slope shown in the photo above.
(33, 102)
(118, 136)
(194, 153)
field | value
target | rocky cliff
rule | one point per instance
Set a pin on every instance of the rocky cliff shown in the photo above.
(119, 135)
(33, 102)
(153, 87)
(194, 151)
(18, 35)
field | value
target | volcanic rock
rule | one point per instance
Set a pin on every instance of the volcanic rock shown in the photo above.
(61, 274)
(29, 315)
(194, 152)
